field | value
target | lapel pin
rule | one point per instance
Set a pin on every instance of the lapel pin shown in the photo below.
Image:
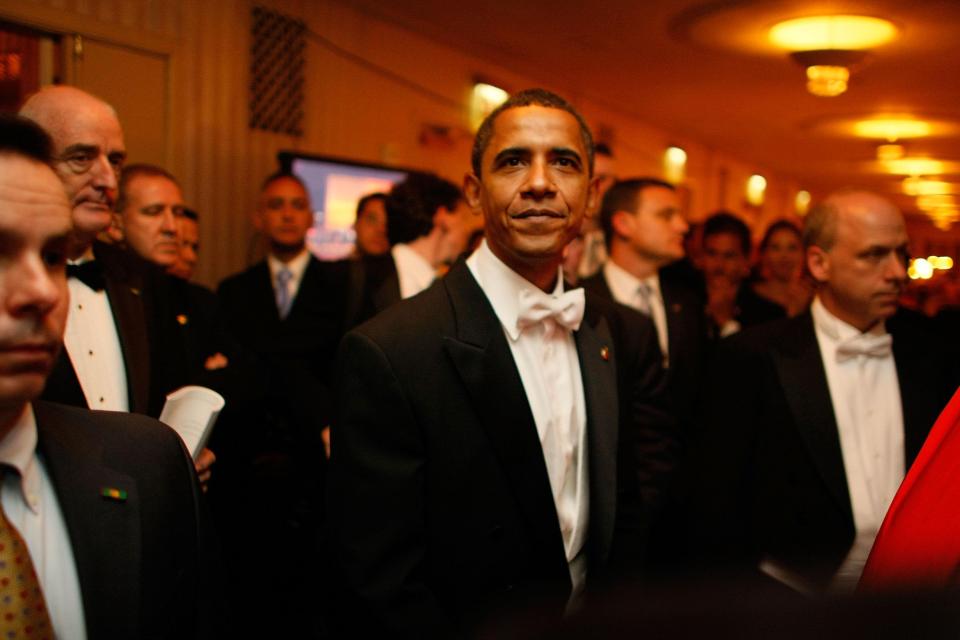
(111, 493)
(135, 291)
(605, 353)
(182, 319)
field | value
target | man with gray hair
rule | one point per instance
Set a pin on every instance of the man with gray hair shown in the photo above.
(810, 422)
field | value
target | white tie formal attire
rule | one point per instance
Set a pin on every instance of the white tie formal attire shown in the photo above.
(865, 393)
(539, 327)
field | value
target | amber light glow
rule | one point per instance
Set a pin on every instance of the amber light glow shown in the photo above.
(891, 129)
(847, 32)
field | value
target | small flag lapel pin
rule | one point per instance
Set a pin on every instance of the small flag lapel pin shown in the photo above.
(605, 353)
(111, 493)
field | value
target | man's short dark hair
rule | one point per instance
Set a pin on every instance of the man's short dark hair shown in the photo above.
(370, 197)
(528, 98)
(282, 175)
(141, 170)
(726, 222)
(412, 204)
(23, 137)
(625, 195)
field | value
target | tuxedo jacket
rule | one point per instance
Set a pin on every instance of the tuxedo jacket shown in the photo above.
(440, 507)
(687, 337)
(144, 561)
(768, 480)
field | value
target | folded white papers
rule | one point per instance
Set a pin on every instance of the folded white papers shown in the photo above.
(191, 411)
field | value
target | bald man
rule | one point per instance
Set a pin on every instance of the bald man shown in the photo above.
(118, 302)
(810, 422)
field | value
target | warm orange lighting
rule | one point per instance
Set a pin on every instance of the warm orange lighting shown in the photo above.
(915, 166)
(484, 99)
(892, 129)
(920, 269)
(887, 152)
(915, 186)
(674, 164)
(845, 32)
(935, 202)
(827, 80)
(756, 189)
(802, 202)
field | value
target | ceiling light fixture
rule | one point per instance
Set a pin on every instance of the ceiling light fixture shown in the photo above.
(830, 47)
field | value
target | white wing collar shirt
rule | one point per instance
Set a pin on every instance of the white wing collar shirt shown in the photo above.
(414, 272)
(30, 503)
(539, 329)
(865, 392)
(93, 346)
(643, 295)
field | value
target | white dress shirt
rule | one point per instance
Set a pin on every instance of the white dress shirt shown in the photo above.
(30, 503)
(414, 272)
(297, 267)
(93, 345)
(625, 288)
(865, 393)
(549, 368)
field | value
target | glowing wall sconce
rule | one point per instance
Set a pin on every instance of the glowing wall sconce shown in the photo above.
(674, 165)
(888, 152)
(756, 190)
(484, 98)
(802, 203)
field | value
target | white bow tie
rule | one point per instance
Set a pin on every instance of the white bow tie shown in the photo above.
(866, 344)
(566, 309)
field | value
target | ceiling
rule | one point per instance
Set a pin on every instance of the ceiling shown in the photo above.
(704, 69)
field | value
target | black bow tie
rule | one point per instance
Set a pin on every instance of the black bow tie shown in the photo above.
(89, 273)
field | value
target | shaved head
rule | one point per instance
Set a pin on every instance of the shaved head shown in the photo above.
(88, 151)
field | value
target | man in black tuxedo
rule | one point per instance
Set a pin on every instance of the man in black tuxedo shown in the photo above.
(644, 230)
(106, 504)
(286, 312)
(428, 227)
(119, 309)
(810, 422)
(498, 443)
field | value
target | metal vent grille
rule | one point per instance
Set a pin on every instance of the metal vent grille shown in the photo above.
(277, 72)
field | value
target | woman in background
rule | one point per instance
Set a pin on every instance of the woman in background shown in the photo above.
(782, 279)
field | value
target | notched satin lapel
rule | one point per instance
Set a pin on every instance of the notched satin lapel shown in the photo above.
(600, 392)
(484, 362)
(804, 383)
(104, 533)
(126, 302)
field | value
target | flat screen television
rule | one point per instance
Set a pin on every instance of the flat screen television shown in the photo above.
(335, 186)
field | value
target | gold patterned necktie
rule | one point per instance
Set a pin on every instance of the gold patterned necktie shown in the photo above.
(23, 612)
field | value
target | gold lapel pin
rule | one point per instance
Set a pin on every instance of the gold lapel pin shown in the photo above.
(112, 493)
(182, 319)
(605, 353)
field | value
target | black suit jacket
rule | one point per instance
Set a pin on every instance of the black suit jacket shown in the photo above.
(373, 286)
(768, 474)
(687, 337)
(440, 505)
(145, 562)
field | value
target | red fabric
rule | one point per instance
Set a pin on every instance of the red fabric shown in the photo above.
(919, 541)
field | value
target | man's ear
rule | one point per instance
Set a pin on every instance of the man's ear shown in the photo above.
(471, 191)
(593, 196)
(622, 223)
(115, 230)
(818, 263)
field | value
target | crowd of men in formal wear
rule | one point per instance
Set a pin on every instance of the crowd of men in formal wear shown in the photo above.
(472, 425)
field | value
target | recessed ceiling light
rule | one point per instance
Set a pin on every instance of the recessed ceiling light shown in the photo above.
(915, 166)
(892, 128)
(843, 32)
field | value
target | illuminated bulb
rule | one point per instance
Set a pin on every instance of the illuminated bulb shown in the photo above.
(484, 99)
(934, 202)
(920, 269)
(915, 186)
(915, 166)
(848, 32)
(827, 80)
(756, 189)
(892, 128)
(674, 164)
(802, 202)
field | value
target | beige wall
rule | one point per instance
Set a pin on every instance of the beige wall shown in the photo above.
(363, 103)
